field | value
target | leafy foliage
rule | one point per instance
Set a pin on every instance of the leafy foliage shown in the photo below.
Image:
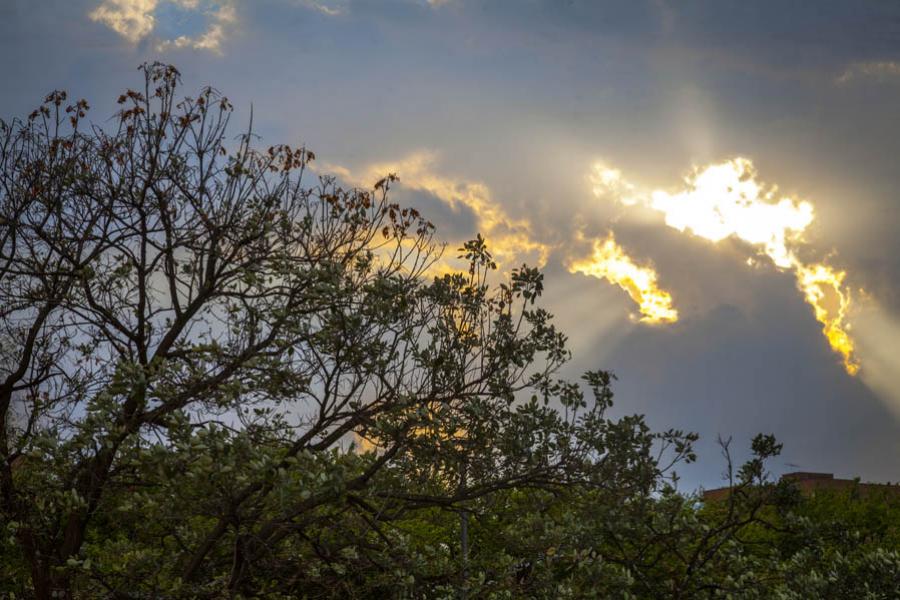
(218, 379)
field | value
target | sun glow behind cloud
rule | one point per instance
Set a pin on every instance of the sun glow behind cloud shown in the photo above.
(716, 202)
(726, 200)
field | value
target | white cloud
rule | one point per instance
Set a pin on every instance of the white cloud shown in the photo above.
(132, 19)
(136, 20)
(882, 70)
(336, 8)
(220, 20)
(327, 8)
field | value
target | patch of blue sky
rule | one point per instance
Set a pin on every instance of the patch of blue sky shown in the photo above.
(176, 19)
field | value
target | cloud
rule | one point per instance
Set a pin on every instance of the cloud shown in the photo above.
(337, 8)
(609, 261)
(716, 202)
(221, 17)
(132, 19)
(510, 240)
(328, 8)
(513, 241)
(726, 200)
(136, 20)
(884, 70)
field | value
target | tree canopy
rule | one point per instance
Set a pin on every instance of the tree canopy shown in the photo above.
(222, 374)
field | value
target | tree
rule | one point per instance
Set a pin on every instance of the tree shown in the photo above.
(195, 334)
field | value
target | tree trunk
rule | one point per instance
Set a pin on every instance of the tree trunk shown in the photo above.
(48, 586)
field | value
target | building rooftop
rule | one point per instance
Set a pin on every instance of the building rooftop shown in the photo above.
(809, 483)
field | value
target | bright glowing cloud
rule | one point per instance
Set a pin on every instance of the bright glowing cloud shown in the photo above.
(610, 262)
(726, 200)
(824, 290)
(136, 20)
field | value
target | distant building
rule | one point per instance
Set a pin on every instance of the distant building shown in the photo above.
(810, 483)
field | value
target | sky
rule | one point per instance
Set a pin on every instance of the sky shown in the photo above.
(711, 188)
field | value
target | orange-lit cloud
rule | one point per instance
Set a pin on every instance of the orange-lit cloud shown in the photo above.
(510, 240)
(726, 200)
(609, 261)
(823, 288)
